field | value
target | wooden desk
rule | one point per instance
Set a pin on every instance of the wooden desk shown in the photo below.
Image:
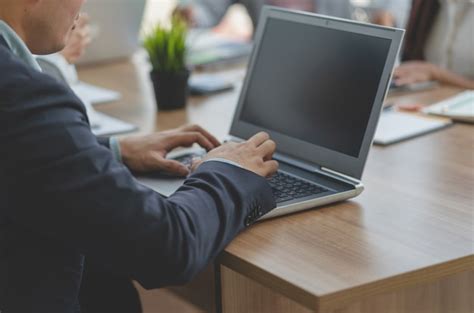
(405, 245)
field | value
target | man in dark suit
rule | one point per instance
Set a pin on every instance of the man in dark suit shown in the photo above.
(66, 195)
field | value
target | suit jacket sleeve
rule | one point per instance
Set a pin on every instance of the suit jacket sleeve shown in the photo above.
(64, 185)
(104, 141)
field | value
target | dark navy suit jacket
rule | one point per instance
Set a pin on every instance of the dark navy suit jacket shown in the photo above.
(63, 197)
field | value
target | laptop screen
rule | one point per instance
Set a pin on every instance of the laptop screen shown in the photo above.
(315, 84)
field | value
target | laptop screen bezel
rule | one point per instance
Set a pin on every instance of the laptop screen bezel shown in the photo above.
(305, 151)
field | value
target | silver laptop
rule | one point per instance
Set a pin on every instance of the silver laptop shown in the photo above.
(317, 85)
(115, 29)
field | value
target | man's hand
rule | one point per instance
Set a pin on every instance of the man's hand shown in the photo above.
(148, 153)
(254, 155)
(79, 38)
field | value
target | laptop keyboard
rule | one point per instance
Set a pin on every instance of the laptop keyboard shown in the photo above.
(286, 187)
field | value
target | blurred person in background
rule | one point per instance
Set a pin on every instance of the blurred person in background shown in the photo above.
(209, 13)
(439, 44)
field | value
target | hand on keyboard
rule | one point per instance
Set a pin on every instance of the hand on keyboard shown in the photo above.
(148, 153)
(254, 155)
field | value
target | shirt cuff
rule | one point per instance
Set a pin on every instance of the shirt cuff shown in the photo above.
(115, 148)
(224, 161)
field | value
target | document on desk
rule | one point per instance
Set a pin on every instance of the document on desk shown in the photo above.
(95, 94)
(105, 125)
(397, 126)
(459, 108)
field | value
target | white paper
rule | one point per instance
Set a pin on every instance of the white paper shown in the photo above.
(105, 125)
(459, 107)
(95, 94)
(396, 126)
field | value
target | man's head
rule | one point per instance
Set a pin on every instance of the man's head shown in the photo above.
(44, 25)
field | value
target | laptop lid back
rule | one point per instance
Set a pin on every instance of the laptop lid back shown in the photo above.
(317, 85)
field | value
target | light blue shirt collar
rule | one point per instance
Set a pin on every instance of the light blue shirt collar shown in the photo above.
(17, 46)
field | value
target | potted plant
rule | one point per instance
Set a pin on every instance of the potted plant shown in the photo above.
(166, 47)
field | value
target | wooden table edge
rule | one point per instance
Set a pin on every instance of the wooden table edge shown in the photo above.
(397, 282)
(340, 298)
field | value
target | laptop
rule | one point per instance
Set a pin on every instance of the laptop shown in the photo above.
(115, 27)
(316, 84)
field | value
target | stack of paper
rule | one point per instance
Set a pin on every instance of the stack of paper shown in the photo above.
(458, 108)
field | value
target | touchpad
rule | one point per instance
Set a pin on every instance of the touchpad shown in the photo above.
(164, 183)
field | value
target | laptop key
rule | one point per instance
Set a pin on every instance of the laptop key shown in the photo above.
(283, 199)
(286, 187)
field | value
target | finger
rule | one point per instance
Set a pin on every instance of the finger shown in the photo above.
(83, 33)
(83, 20)
(187, 139)
(267, 149)
(172, 167)
(397, 71)
(259, 138)
(195, 164)
(401, 71)
(398, 81)
(405, 80)
(270, 168)
(86, 41)
(205, 133)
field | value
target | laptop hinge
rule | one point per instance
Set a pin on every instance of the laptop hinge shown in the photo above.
(341, 176)
(313, 168)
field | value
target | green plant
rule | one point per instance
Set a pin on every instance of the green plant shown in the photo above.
(166, 46)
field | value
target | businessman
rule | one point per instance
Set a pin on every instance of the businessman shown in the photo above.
(67, 196)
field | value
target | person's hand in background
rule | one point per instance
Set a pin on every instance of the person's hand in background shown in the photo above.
(420, 71)
(148, 153)
(414, 72)
(384, 18)
(254, 155)
(78, 39)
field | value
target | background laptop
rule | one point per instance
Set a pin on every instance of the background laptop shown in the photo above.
(115, 28)
(317, 85)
